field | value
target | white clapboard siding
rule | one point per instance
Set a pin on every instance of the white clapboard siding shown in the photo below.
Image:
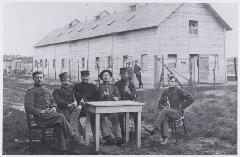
(175, 39)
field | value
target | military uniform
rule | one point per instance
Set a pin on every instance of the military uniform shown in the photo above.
(64, 96)
(39, 98)
(86, 92)
(130, 73)
(172, 103)
(113, 117)
(121, 85)
(137, 71)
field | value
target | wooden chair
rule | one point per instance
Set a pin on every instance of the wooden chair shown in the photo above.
(33, 132)
(173, 125)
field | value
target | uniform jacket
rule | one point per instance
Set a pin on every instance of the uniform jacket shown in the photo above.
(86, 91)
(121, 84)
(137, 70)
(64, 96)
(38, 98)
(113, 91)
(177, 98)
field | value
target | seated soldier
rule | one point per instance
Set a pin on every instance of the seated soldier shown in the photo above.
(39, 102)
(86, 92)
(109, 92)
(66, 102)
(173, 102)
(127, 91)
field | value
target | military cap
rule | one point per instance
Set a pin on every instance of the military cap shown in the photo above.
(123, 70)
(63, 75)
(101, 74)
(84, 72)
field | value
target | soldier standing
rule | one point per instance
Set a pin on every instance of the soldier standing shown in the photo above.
(137, 72)
(66, 102)
(109, 92)
(130, 71)
(172, 103)
(39, 102)
(127, 91)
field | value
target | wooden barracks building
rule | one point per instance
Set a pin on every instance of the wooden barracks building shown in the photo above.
(189, 38)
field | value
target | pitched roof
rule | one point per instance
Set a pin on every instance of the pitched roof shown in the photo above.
(146, 16)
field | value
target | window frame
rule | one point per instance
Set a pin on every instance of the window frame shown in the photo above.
(144, 60)
(191, 29)
(83, 62)
(63, 63)
(172, 59)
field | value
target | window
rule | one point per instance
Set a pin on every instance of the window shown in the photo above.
(80, 29)
(193, 27)
(46, 63)
(97, 63)
(54, 63)
(59, 35)
(144, 61)
(69, 32)
(172, 61)
(94, 26)
(36, 63)
(125, 59)
(111, 22)
(83, 62)
(109, 65)
(130, 17)
(41, 63)
(63, 63)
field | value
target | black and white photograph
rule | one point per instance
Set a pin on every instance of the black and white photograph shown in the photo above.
(120, 78)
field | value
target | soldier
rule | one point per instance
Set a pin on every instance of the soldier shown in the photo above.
(109, 92)
(39, 102)
(86, 92)
(173, 102)
(66, 102)
(127, 92)
(137, 72)
(130, 71)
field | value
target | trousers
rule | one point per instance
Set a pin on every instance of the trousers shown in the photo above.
(58, 120)
(113, 117)
(163, 117)
(121, 118)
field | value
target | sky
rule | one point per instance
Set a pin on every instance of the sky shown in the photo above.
(25, 23)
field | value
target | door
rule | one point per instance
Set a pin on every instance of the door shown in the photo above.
(203, 69)
(194, 67)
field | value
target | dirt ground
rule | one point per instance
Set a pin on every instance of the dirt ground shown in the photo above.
(196, 142)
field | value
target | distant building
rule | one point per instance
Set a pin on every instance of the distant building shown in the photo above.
(190, 37)
(17, 65)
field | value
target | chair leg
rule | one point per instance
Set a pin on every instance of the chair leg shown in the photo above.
(185, 131)
(175, 130)
(43, 139)
(30, 140)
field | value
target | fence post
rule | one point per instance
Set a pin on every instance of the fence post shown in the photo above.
(78, 70)
(214, 78)
(69, 62)
(48, 67)
(235, 67)
(163, 70)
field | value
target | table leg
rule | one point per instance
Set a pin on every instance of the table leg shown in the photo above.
(127, 126)
(138, 130)
(97, 126)
(87, 130)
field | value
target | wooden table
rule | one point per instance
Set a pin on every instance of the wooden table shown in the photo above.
(98, 107)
